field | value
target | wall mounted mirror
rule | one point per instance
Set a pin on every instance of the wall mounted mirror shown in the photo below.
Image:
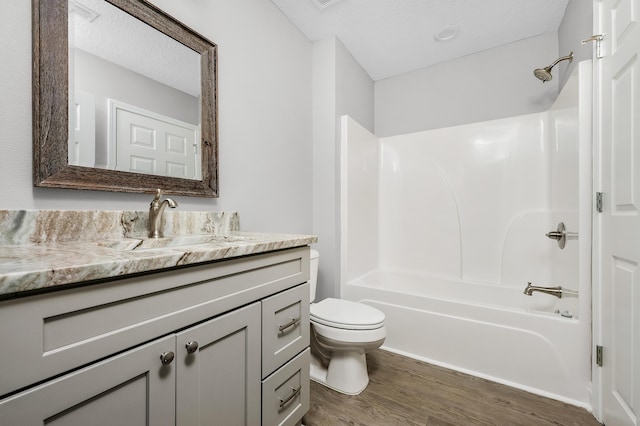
(124, 99)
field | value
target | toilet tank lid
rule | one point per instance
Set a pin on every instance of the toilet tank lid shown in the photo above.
(346, 312)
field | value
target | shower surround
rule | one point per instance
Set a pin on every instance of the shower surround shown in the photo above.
(443, 229)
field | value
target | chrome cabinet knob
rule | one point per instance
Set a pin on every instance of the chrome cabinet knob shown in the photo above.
(192, 347)
(167, 357)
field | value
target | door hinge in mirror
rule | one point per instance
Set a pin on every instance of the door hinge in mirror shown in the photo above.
(599, 202)
(599, 356)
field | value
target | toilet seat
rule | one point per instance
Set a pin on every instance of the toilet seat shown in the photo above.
(346, 314)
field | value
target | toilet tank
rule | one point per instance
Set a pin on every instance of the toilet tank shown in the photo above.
(313, 273)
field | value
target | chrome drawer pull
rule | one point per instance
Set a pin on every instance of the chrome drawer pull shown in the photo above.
(291, 323)
(294, 392)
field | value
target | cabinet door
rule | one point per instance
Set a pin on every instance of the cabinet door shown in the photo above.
(218, 369)
(132, 388)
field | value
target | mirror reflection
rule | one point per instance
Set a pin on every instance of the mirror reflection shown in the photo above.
(134, 95)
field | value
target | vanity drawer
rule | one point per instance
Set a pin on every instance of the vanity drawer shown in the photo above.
(285, 394)
(285, 327)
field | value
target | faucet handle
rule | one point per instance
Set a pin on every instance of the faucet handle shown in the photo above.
(158, 195)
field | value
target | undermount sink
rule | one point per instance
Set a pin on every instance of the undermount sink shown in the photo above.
(170, 242)
(186, 240)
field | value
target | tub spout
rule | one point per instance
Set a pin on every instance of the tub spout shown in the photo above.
(554, 291)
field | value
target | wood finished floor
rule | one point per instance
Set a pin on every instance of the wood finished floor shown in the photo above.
(403, 391)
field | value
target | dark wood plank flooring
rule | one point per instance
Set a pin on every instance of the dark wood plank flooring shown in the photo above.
(403, 391)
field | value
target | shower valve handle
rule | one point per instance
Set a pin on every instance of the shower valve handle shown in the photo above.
(561, 235)
(555, 235)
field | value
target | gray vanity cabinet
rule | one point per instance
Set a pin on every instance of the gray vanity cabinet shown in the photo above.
(220, 379)
(220, 343)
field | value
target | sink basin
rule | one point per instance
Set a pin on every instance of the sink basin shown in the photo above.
(170, 242)
(186, 240)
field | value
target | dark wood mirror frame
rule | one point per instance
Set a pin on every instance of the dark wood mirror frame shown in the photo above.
(51, 106)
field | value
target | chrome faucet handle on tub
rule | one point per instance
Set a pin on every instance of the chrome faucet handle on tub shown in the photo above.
(156, 208)
(554, 291)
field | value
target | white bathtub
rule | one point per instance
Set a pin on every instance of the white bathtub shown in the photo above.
(490, 331)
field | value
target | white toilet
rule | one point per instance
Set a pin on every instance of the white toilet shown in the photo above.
(342, 332)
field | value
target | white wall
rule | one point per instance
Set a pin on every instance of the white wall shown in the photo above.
(325, 201)
(340, 87)
(495, 83)
(106, 80)
(491, 84)
(354, 89)
(265, 118)
(577, 25)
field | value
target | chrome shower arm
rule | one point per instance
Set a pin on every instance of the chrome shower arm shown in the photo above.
(544, 74)
(569, 58)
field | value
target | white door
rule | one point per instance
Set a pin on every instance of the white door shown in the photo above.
(82, 139)
(618, 226)
(146, 142)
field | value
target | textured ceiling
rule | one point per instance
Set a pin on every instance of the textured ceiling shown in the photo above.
(391, 37)
(119, 38)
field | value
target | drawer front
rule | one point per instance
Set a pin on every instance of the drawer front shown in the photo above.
(59, 331)
(285, 327)
(285, 394)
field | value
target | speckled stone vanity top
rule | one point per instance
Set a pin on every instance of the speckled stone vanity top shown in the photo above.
(41, 249)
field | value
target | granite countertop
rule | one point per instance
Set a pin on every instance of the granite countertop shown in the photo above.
(42, 249)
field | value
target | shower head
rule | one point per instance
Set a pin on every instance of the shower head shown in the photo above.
(544, 74)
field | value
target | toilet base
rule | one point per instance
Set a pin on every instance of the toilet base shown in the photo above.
(346, 373)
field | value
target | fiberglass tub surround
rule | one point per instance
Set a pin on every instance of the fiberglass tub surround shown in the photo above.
(460, 224)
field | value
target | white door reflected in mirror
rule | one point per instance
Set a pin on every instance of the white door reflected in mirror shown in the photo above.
(82, 147)
(142, 141)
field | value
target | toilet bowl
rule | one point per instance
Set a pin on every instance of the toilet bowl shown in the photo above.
(342, 333)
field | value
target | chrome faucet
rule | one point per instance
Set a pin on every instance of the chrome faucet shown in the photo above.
(554, 291)
(156, 208)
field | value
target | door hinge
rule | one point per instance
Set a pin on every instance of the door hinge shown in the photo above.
(599, 356)
(597, 38)
(599, 202)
